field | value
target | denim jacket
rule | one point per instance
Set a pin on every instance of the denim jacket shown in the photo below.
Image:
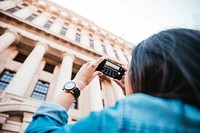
(135, 113)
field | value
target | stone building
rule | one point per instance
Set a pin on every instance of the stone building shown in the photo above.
(42, 46)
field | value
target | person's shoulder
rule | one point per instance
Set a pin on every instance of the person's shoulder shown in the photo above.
(151, 113)
(143, 99)
(149, 102)
(146, 108)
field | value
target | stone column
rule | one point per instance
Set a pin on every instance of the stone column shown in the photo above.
(7, 39)
(109, 49)
(129, 57)
(25, 12)
(95, 95)
(26, 120)
(25, 74)
(117, 91)
(85, 37)
(97, 44)
(7, 4)
(121, 56)
(42, 19)
(71, 31)
(57, 25)
(64, 73)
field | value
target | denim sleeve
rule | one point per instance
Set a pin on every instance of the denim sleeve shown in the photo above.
(52, 117)
(47, 118)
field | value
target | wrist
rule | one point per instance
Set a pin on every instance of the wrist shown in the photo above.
(79, 84)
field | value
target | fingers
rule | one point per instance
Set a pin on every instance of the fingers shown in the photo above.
(99, 60)
(100, 74)
(120, 84)
(97, 73)
(117, 81)
(95, 63)
(125, 67)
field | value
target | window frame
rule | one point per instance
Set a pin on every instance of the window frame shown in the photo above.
(31, 17)
(78, 37)
(8, 77)
(116, 55)
(49, 67)
(63, 31)
(13, 9)
(48, 24)
(20, 58)
(40, 94)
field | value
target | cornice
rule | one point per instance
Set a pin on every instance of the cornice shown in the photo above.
(45, 34)
(80, 20)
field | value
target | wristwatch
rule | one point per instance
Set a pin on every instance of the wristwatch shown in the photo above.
(70, 87)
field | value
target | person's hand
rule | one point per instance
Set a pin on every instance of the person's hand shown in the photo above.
(121, 82)
(87, 73)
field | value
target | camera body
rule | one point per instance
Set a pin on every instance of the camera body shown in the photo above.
(111, 69)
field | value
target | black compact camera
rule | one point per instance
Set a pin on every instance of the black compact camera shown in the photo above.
(111, 69)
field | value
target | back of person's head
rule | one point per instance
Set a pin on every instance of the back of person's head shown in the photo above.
(167, 65)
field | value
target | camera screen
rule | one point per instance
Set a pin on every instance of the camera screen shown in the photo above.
(109, 64)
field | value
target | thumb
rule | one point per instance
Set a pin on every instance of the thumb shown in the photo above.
(97, 73)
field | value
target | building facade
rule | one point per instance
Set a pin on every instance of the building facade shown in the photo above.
(42, 46)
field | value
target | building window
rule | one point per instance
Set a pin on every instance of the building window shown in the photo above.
(126, 58)
(39, 11)
(66, 24)
(48, 24)
(63, 31)
(5, 78)
(53, 18)
(91, 43)
(90, 35)
(73, 75)
(30, 18)
(20, 58)
(40, 90)
(74, 120)
(74, 104)
(103, 102)
(78, 37)
(14, 9)
(24, 4)
(49, 68)
(104, 49)
(78, 30)
(116, 55)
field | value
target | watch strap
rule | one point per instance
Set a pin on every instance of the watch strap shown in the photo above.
(75, 91)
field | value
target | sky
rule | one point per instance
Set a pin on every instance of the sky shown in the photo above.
(136, 20)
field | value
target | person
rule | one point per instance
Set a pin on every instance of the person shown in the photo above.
(162, 91)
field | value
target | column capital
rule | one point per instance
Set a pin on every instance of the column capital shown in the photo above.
(46, 14)
(69, 55)
(85, 27)
(96, 36)
(59, 20)
(72, 25)
(17, 35)
(84, 31)
(74, 20)
(17, 0)
(32, 7)
(43, 44)
(97, 33)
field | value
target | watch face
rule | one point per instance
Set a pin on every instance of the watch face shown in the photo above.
(69, 85)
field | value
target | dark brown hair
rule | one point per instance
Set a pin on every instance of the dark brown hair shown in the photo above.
(167, 65)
